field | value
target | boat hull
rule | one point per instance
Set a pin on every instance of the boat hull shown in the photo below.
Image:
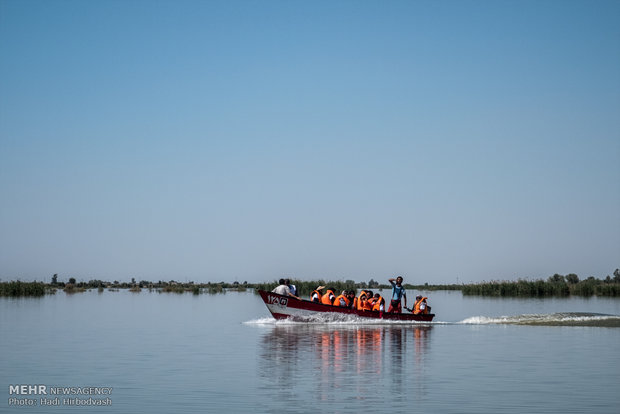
(284, 307)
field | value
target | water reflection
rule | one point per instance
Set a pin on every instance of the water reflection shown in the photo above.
(329, 360)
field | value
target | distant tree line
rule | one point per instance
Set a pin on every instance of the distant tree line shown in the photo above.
(556, 285)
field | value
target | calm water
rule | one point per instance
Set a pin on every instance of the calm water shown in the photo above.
(164, 353)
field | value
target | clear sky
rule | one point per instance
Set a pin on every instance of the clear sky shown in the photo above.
(251, 140)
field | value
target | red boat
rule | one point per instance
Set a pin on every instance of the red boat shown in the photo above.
(284, 307)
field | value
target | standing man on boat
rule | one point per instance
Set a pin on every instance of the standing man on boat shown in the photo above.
(398, 292)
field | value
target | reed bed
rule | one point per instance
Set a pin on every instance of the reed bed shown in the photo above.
(541, 288)
(173, 289)
(555, 286)
(71, 288)
(213, 289)
(18, 288)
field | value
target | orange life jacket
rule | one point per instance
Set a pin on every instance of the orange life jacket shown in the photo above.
(318, 294)
(328, 298)
(362, 304)
(358, 300)
(344, 298)
(378, 303)
(416, 307)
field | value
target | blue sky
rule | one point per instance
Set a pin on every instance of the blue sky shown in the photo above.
(250, 140)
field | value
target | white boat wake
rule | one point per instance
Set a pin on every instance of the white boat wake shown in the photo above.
(554, 319)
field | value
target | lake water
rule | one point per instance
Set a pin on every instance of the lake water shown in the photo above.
(165, 353)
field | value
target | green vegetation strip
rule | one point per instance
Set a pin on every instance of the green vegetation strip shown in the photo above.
(556, 285)
(540, 288)
(18, 288)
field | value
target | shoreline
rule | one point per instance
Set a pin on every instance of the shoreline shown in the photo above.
(554, 286)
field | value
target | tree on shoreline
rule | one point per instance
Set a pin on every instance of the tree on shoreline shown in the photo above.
(557, 279)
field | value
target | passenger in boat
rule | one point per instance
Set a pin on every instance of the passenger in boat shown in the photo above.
(367, 305)
(362, 303)
(342, 300)
(282, 289)
(379, 303)
(292, 288)
(398, 292)
(370, 297)
(351, 296)
(315, 296)
(356, 301)
(359, 300)
(329, 297)
(420, 305)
